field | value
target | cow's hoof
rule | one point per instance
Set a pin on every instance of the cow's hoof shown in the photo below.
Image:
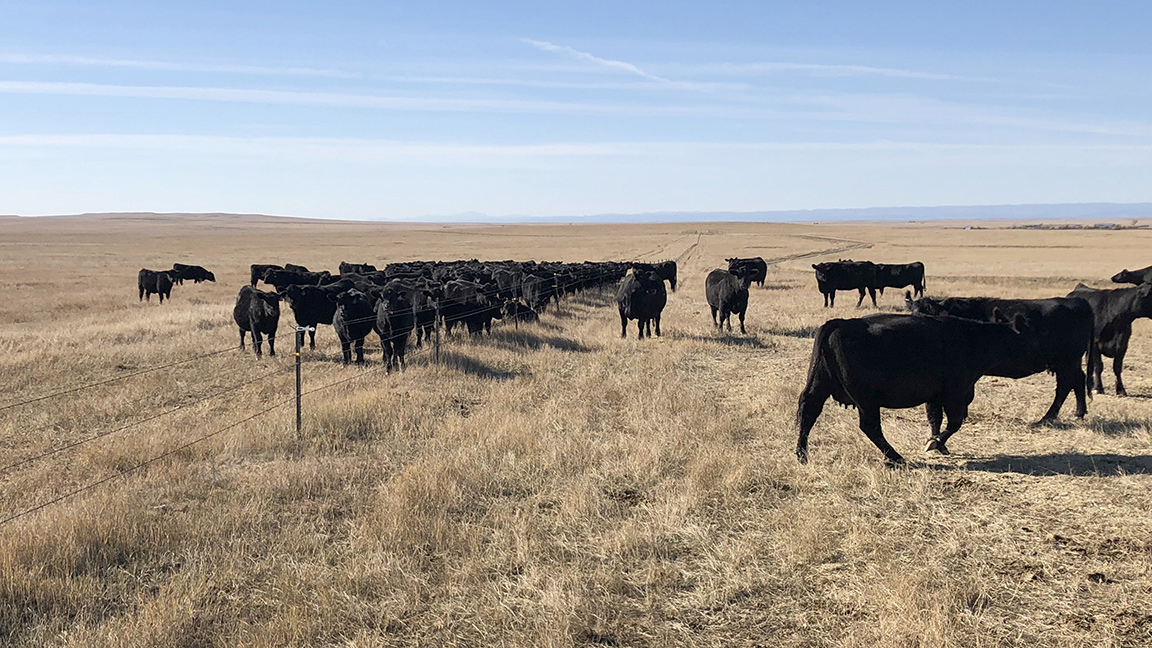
(937, 445)
(895, 461)
(1121, 392)
(802, 455)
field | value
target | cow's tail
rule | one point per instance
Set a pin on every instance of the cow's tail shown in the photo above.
(823, 381)
(1089, 370)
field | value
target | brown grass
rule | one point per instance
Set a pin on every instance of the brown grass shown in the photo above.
(550, 485)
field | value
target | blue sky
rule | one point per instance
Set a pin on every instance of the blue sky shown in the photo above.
(410, 110)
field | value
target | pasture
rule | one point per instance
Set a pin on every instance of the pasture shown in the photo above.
(551, 484)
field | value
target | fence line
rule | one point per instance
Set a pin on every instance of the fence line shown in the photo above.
(132, 469)
(15, 516)
(101, 435)
(114, 379)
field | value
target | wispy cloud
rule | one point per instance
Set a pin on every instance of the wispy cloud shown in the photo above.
(45, 59)
(622, 66)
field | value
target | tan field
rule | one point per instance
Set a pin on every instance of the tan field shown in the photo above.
(549, 485)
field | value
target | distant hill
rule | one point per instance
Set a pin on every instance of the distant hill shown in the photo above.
(1119, 212)
(1066, 211)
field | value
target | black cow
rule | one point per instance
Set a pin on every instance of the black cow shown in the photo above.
(394, 323)
(666, 270)
(468, 302)
(898, 275)
(518, 312)
(727, 292)
(311, 305)
(755, 267)
(153, 281)
(291, 267)
(641, 297)
(538, 291)
(259, 312)
(900, 361)
(1141, 276)
(845, 275)
(355, 318)
(281, 279)
(1063, 327)
(196, 273)
(1115, 310)
(258, 270)
(356, 268)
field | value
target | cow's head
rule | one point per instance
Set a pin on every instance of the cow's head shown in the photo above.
(209, 276)
(1127, 276)
(351, 298)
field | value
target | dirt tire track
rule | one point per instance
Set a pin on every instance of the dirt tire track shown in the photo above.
(851, 245)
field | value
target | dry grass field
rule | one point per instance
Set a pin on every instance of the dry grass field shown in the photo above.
(549, 485)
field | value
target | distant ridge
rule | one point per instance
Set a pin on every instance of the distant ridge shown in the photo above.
(1057, 211)
(1024, 212)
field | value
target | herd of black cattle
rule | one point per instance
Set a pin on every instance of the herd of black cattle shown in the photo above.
(933, 356)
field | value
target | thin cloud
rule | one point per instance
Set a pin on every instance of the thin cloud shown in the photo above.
(44, 59)
(608, 63)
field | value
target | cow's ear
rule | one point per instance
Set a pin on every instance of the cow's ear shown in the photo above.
(1020, 324)
(814, 267)
(998, 316)
(1146, 289)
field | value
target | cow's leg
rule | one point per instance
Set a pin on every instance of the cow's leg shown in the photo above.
(1117, 367)
(1066, 381)
(360, 351)
(346, 350)
(242, 339)
(742, 323)
(956, 411)
(935, 412)
(657, 318)
(623, 324)
(812, 401)
(1078, 389)
(639, 328)
(714, 322)
(872, 294)
(272, 344)
(861, 300)
(312, 338)
(832, 299)
(257, 340)
(141, 295)
(870, 426)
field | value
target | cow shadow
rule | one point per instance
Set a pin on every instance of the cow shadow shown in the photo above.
(779, 286)
(727, 339)
(1109, 428)
(473, 367)
(802, 332)
(525, 338)
(1074, 464)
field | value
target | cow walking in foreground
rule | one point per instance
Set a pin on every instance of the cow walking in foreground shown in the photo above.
(641, 297)
(727, 293)
(901, 361)
(1114, 310)
(1063, 327)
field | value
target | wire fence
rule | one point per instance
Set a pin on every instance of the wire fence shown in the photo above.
(557, 291)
